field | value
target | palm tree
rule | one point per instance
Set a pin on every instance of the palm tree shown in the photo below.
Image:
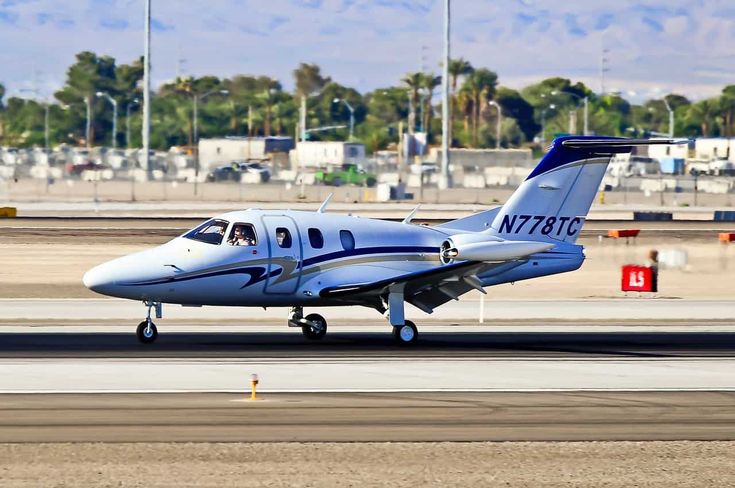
(414, 82)
(480, 87)
(457, 67)
(270, 89)
(429, 82)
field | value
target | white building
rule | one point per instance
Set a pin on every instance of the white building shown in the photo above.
(321, 154)
(669, 150)
(714, 148)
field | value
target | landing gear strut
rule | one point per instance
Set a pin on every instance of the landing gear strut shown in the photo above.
(404, 331)
(313, 326)
(147, 331)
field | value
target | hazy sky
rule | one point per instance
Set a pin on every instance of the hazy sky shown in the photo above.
(687, 46)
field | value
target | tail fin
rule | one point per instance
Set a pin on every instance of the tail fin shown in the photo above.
(552, 203)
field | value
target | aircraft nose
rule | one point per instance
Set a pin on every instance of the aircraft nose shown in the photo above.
(99, 279)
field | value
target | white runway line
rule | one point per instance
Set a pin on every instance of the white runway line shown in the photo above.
(463, 310)
(104, 375)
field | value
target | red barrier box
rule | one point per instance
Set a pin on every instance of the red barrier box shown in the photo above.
(727, 237)
(619, 233)
(639, 278)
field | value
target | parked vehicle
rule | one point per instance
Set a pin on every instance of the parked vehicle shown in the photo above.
(234, 171)
(255, 167)
(349, 174)
(226, 172)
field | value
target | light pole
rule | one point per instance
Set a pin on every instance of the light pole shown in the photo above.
(127, 145)
(352, 114)
(445, 181)
(88, 129)
(495, 104)
(46, 107)
(146, 128)
(543, 122)
(114, 116)
(198, 97)
(586, 102)
(134, 101)
(671, 118)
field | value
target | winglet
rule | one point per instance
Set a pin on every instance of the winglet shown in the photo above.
(324, 204)
(410, 216)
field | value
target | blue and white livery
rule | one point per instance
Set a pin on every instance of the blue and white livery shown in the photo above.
(297, 259)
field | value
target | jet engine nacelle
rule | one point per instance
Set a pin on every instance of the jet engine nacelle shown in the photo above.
(483, 247)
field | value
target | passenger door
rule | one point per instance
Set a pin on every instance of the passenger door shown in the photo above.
(284, 254)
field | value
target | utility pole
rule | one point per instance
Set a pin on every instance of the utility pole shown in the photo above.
(147, 92)
(586, 100)
(445, 181)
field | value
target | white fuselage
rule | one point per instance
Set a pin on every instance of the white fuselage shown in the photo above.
(347, 251)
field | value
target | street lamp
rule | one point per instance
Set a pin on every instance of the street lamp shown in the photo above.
(134, 101)
(543, 122)
(198, 97)
(88, 129)
(114, 116)
(671, 118)
(352, 114)
(586, 102)
(495, 104)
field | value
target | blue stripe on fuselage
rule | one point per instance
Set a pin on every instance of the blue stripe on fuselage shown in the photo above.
(258, 274)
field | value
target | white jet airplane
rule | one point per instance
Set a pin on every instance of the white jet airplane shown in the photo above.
(297, 259)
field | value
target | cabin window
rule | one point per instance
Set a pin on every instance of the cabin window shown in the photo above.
(210, 232)
(283, 237)
(316, 239)
(242, 235)
(348, 240)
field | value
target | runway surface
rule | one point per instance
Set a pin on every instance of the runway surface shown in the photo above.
(368, 417)
(568, 357)
(500, 340)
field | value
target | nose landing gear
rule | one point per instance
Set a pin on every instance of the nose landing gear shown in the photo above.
(147, 331)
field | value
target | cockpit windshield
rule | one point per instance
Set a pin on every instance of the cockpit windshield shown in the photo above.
(211, 232)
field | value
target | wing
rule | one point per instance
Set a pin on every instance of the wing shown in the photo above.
(426, 290)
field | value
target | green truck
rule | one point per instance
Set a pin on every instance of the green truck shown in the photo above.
(349, 174)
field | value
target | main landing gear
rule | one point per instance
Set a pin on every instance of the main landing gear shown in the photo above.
(147, 331)
(313, 326)
(406, 334)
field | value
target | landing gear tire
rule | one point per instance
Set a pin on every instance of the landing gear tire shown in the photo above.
(146, 335)
(406, 334)
(317, 328)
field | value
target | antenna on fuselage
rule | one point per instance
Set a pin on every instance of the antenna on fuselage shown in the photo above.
(410, 216)
(323, 206)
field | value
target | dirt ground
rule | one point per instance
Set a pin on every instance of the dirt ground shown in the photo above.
(511, 464)
(51, 265)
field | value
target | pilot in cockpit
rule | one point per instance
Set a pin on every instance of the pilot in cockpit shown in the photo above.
(239, 238)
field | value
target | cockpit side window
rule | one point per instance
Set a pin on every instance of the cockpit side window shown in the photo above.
(211, 232)
(283, 237)
(242, 235)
